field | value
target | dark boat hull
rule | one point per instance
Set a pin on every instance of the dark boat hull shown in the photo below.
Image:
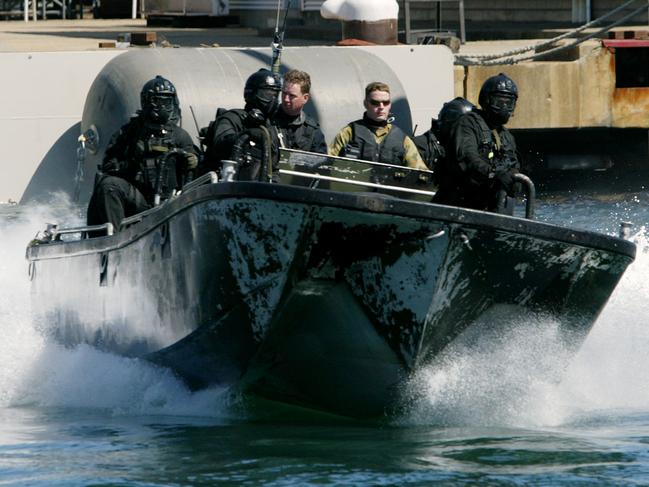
(318, 298)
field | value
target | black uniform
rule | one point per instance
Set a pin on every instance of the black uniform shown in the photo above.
(221, 135)
(480, 163)
(432, 144)
(247, 135)
(300, 132)
(252, 142)
(133, 170)
(430, 148)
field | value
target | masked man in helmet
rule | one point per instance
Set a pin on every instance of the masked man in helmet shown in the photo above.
(247, 135)
(148, 158)
(481, 155)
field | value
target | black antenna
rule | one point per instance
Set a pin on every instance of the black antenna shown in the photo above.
(278, 38)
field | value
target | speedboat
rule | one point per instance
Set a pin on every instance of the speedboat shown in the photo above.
(326, 291)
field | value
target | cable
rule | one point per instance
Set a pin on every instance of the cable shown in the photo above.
(494, 59)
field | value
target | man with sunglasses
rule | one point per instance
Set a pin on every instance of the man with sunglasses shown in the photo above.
(374, 137)
(137, 165)
(481, 155)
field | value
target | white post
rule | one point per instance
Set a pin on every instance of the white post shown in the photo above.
(134, 9)
(26, 4)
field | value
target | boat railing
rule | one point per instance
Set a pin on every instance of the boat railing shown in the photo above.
(530, 194)
(130, 220)
(207, 178)
(53, 233)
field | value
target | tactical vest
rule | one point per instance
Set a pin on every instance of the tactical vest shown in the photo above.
(248, 151)
(497, 148)
(430, 149)
(146, 146)
(302, 137)
(363, 145)
(235, 116)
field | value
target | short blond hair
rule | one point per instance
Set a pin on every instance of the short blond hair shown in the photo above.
(376, 86)
(300, 78)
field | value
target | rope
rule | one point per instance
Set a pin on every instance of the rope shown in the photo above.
(555, 39)
(494, 59)
(513, 60)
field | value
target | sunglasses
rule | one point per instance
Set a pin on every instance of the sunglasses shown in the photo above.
(377, 103)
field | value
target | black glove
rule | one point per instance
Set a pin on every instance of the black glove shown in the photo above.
(480, 171)
(190, 160)
(505, 182)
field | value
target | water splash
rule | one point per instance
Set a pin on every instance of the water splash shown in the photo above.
(36, 372)
(496, 373)
(520, 373)
(611, 369)
(511, 375)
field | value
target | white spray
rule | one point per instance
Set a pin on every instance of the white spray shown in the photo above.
(520, 373)
(37, 372)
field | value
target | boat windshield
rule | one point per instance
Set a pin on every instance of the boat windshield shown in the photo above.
(299, 168)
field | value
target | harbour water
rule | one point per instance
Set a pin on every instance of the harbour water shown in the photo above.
(499, 409)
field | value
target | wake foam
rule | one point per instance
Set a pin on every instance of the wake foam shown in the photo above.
(37, 372)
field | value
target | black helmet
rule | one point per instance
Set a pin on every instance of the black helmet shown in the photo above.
(450, 112)
(498, 97)
(262, 91)
(160, 101)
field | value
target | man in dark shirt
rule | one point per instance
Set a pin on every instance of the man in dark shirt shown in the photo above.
(246, 135)
(481, 155)
(296, 129)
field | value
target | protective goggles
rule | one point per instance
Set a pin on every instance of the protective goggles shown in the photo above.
(501, 101)
(162, 102)
(267, 93)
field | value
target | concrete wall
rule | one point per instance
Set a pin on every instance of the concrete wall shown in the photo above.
(42, 96)
(572, 94)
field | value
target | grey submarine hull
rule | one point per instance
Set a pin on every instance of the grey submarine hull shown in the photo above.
(321, 299)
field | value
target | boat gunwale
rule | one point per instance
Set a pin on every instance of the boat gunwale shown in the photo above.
(360, 201)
